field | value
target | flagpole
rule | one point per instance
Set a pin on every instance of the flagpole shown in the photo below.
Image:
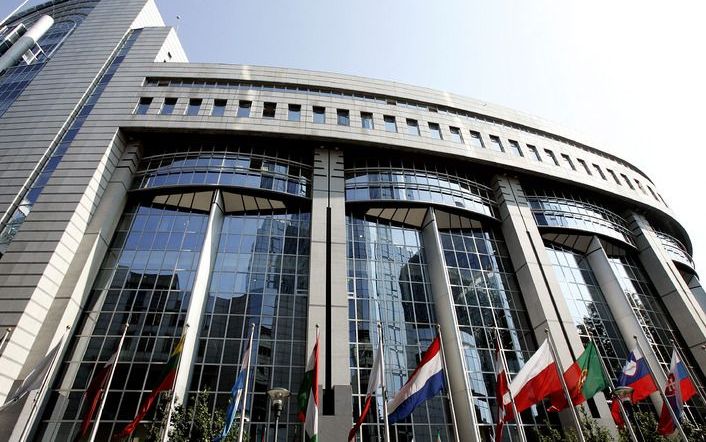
(688, 371)
(606, 374)
(448, 384)
(165, 434)
(247, 383)
(4, 337)
(560, 372)
(40, 394)
(94, 431)
(383, 382)
(518, 418)
(663, 395)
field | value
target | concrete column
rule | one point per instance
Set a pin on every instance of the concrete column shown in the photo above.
(328, 293)
(697, 290)
(622, 311)
(688, 315)
(199, 296)
(545, 303)
(459, 388)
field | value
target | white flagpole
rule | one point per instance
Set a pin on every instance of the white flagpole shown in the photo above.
(664, 396)
(4, 337)
(560, 372)
(165, 434)
(448, 384)
(39, 397)
(383, 382)
(247, 383)
(94, 431)
(518, 418)
(623, 412)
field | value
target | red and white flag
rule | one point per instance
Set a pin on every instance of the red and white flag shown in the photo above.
(95, 391)
(537, 379)
(502, 393)
(374, 382)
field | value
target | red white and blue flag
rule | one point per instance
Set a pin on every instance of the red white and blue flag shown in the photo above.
(636, 375)
(426, 381)
(679, 389)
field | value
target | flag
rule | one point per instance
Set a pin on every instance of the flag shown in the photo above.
(584, 378)
(537, 379)
(374, 382)
(679, 389)
(95, 391)
(167, 383)
(636, 376)
(424, 383)
(35, 378)
(308, 397)
(501, 391)
(236, 392)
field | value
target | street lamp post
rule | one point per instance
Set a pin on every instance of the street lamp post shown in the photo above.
(278, 396)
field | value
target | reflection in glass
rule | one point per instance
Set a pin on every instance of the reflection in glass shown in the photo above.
(388, 282)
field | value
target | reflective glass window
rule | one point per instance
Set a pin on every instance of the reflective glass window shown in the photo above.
(269, 110)
(496, 144)
(366, 120)
(534, 153)
(193, 108)
(412, 127)
(319, 114)
(168, 106)
(435, 131)
(294, 112)
(456, 136)
(551, 155)
(244, 108)
(585, 166)
(390, 123)
(476, 140)
(515, 148)
(219, 108)
(143, 106)
(343, 117)
(567, 161)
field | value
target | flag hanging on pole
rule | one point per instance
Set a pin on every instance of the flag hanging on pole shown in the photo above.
(635, 375)
(374, 382)
(679, 389)
(424, 383)
(35, 378)
(501, 392)
(94, 392)
(584, 378)
(537, 379)
(236, 392)
(308, 397)
(168, 376)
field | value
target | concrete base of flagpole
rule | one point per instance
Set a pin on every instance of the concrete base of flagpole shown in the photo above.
(335, 427)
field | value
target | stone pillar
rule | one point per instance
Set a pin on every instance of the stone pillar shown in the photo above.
(459, 387)
(622, 311)
(688, 315)
(328, 293)
(199, 296)
(545, 304)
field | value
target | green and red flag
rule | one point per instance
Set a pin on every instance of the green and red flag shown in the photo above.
(168, 376)
(308, 397)
(584, 379)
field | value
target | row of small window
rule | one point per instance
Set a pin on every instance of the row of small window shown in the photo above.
(411, 127)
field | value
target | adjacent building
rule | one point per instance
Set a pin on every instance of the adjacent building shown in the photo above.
(186, 198)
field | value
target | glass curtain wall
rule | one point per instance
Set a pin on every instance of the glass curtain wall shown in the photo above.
(587, 305)
(388, 283)
(487, 299)
(656, 323)
(261, 277)
(146, 279)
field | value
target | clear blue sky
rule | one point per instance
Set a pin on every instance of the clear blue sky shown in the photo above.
(629, 74)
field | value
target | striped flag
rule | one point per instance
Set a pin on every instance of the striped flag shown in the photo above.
(426, 381)
(501, 391)
(308, 397)
(679, 389)
(94, 392)
(374, 382)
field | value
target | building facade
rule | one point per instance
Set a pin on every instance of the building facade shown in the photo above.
(197, 199)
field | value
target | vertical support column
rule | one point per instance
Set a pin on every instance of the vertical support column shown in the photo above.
(622, 311)
(328, 294)
(688, 315)
(697, 290)
(545, 304)
(199, 295)
(460, 390)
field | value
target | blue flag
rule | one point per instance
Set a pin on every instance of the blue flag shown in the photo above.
(236, 393)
